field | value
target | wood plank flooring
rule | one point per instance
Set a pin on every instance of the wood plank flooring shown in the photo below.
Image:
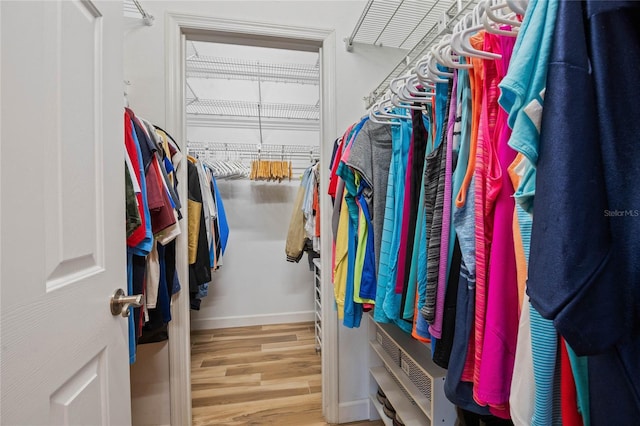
(259, 375)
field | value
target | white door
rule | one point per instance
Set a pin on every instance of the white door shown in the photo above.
(64, 357)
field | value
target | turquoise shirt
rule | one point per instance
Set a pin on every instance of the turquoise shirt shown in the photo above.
(522, 94)
(387, 301)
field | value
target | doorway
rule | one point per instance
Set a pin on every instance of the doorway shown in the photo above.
(180, 29)
(253, 109)
(253, 124)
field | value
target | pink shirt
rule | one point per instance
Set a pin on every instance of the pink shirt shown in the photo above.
(487, 185)
(500, 292)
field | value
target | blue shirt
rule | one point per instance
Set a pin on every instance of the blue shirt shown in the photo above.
(145, 246)
(393, 223)
(222, 217)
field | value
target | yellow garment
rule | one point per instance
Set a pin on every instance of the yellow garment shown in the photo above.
(296, 233)
(194, 211)
(340, 270)
(165, 146)
(361, 250)
(164, 142)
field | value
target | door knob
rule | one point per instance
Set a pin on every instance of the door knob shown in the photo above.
(120, 303)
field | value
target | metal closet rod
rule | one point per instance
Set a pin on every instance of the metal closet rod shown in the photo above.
(253, 148)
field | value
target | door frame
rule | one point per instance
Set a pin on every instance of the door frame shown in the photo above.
(178, 28)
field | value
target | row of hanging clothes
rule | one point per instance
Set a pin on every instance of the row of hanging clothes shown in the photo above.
(303, 234)
(271, 165)
(228, 169)
(208, 228)
(271, 170)
(521, 109)
(238, 161)
(153, 213)
(222, 162)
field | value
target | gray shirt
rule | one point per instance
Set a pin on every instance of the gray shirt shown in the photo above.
(371, 157)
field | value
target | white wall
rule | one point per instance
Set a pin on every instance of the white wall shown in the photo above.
(149, 390)
(256, 285)
(357, 73)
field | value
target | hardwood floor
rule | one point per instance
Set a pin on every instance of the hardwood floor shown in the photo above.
(259, 375)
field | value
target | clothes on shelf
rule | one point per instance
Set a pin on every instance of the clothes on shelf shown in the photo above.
(153, 212)
(208, 229)
(535, 317)
(304, 226)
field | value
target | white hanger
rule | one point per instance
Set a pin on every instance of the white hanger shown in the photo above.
(411, 92)
(466, 49)
(376, 119)
(384, 104)
(518, 6)
(440, 55)
(432, 65)
(492, 21)
(456, 43)
(506, 16)
(427, 71)
(422, 71)
(404, 90)
(445, 56)
(395, 85)
(401, 103)
(413, 95)
(378, 114)
(454, 63)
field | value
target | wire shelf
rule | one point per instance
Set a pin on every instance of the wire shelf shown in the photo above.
(253, 109)
(440, 17)
(242, 69)
(397, 23)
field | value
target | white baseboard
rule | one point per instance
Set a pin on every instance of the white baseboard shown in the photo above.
(353, 411)
(248, 320)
